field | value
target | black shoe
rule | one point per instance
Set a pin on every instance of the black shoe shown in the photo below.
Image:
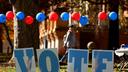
(63, 63)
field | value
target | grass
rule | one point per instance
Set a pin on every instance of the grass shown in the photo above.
(63, 68)
(13, 69)
(7, 69)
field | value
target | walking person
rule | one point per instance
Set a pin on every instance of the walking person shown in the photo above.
(69, 41)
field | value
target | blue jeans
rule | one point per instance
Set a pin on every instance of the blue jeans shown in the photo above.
(64, 57)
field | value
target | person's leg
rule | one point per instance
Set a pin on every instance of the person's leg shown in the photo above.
(64, 57)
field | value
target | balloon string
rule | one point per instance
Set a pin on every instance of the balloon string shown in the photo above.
(103, 6)
(70, 21)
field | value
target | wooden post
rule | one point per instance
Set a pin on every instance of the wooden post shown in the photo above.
(113, 26)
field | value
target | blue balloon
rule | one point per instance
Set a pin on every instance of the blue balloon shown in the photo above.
(20, 15)
(113, 16)
(83, 20)
(2, 18)
(40, 17)
(64, 16)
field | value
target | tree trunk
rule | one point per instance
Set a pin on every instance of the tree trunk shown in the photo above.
(113, 26)
(1, 43)
(26, 36)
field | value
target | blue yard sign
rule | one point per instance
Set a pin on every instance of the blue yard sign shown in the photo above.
(102, 61)
(48, 60)
(77, 60)
(24, 59)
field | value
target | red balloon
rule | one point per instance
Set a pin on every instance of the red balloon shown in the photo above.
(53, 16)
(10, 15)
(102, 15)
(29, 20)
(75, 16)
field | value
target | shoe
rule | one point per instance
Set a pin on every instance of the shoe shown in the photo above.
(62, 63)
